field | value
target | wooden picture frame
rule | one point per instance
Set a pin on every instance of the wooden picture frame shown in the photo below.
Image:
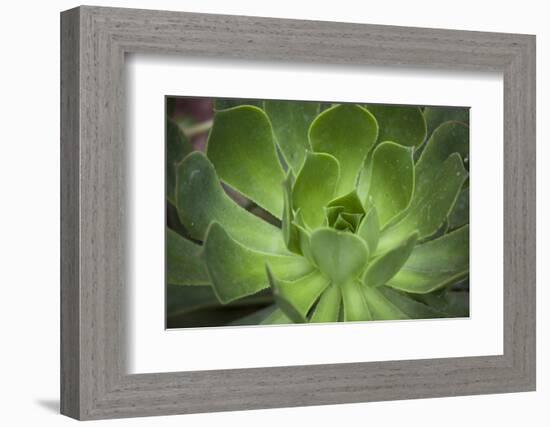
(94, 382)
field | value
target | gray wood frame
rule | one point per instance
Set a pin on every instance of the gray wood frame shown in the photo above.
(94, 382)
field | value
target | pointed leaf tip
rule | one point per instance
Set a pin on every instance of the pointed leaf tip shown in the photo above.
(184, 265)
(435, 264)
(290, 121)
(387, 265)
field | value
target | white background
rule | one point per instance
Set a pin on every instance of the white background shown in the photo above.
(152, 349)
(29, 233)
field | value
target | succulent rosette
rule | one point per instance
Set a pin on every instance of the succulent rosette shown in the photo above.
(363, 212)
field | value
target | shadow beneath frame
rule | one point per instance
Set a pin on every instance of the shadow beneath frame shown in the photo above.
(52, 405)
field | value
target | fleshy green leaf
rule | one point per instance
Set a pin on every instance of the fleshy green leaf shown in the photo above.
(383, 268)
(200, 200)
(341, 256)
(435, 264)
(435, 116)
(315, 186)
(241, 148)
(185, 299)
(277, 317)
(438, 174)
(303, 237)
(363, 181)
(299, 219)
(291, 121)
(237, 271)
(347, 132)
(225, 103)
(401, 124)
(380, 307)
(350, 202)
(296, 297)
(451, 303)
(290, 232)
(332, 213)
(177, 147)
(392, 179)
(441, 230)
(342, 225)
(461, 211)
(328, 307)
(430, 206)
(255, 318)
(354, 302)
(411, 308)
(449, 138)
(369, 230)
(354, 219)
(192, 306)
(458, 304)
(183, 264)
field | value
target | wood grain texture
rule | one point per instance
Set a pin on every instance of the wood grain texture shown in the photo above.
(70, 333)
(94, 380)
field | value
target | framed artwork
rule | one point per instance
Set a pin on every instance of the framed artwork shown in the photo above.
(262, 213)
(282, 212)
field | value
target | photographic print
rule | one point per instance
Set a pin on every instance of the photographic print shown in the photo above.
(291, 212)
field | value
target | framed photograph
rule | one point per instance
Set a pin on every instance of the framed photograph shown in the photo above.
(284, 211)
(262, 213)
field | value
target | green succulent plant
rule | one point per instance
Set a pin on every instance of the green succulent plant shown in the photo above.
(364, 213)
